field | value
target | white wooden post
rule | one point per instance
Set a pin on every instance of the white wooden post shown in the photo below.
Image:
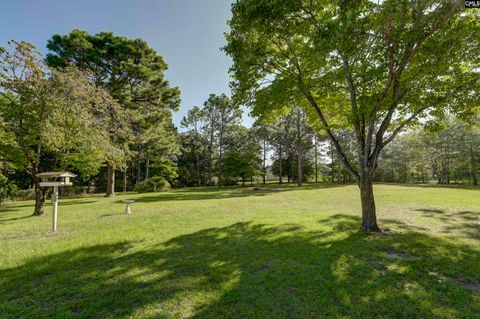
(54, 206)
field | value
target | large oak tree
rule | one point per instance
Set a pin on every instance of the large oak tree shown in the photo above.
(372, 67)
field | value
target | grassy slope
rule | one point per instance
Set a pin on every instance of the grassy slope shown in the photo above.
(222, 253)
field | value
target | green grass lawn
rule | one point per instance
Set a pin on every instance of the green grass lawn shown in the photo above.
(239, 253)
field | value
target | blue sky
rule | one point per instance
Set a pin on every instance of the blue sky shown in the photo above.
(187, 33)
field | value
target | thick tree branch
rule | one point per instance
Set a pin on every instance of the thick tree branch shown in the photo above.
(394, 75)
(338, 147)
(357, 121)
(382, 143)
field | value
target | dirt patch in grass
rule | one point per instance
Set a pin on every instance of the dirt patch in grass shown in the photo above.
(262, 270)
(395, 255)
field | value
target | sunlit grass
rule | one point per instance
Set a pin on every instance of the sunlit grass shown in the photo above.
(244, 253)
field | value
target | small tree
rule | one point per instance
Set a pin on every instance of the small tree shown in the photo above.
(241, 165)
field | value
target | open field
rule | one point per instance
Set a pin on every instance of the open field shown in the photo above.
(240, 253)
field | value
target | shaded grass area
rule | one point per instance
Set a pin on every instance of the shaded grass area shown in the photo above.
(244, 253)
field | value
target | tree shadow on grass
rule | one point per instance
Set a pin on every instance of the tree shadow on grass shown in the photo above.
(8, 213)
(430, 211)
(465, 223)
(469, 229)
(206, 193)
(3, 220)
(450, 186)
(248, 270)
(4, 209)
(61, 201)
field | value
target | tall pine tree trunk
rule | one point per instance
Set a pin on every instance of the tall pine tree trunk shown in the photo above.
(124, 188)
(110, 181)
(280, 173)
(210, 165)
(300, 165)
(292, 170)
(199, 182)
(220, 158)
(139, 171)
(299, 149)
(264, 161)
(474, 166)
(147, 167)
(210, 154)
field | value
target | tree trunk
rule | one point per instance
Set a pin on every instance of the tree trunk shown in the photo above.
(210, 161)
(300, 165)
(369, 217)
(332, 162)
(280, 174)
(316, 160)
(220, 158)
(299, 150)
(474, 166)
(124, 188)
(110, 181)
(199, 182)
(243, 181)
(197, 158)
(264, 161)
(292, 170)
(40, 195)
(147, 167)
(139, 171)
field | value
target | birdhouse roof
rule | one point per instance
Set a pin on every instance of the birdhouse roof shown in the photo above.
(56, 174)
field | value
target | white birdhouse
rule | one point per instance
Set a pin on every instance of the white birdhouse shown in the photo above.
(55, 179)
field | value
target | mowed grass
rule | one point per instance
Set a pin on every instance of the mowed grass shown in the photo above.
(240, 253)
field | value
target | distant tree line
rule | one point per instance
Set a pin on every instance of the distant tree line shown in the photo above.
(446, 154)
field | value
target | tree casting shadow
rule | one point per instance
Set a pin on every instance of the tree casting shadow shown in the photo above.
(248, 270)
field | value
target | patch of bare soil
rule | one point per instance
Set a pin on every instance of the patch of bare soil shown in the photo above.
(394, 255)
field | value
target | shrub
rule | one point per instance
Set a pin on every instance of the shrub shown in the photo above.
(154, 184)
(228, 181)
(8, 190)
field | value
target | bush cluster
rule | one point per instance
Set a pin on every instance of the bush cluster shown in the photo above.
(154, 184)
(8, 190)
